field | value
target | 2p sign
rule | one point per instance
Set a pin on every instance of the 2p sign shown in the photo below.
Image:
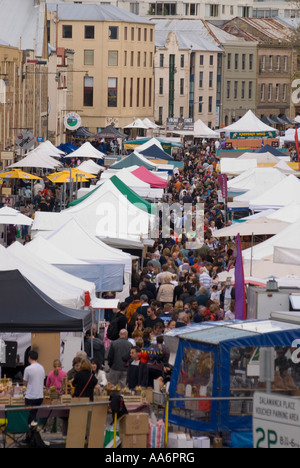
(276, 421)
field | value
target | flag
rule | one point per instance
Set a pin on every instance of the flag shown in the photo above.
(240, 294)
(297, 145)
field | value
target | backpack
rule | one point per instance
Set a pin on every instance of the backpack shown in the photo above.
(113, 331)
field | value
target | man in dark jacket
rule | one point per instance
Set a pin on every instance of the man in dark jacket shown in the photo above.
(98, 348)
(118, 358)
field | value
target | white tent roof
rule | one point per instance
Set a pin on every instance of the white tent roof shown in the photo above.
(287, 238)
(287, 214)
(201, 130)
(256, 178)
(282, 194)
(50, 149)
(261, 158)
(37, 158)
(236, 166)
(260, 188)
(51, 285)
(87, 151)
(284, 167)
(259, 227)
(150, 124)
(139, 156)
(105, 213)
(138, 123)
(248, 123)
(148, 144)
(127, 177)
(11, 216)
(74, 240)
(50, 253)
(90, 167)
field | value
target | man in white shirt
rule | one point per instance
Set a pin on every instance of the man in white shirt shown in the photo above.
(204, 278)
(33, 380)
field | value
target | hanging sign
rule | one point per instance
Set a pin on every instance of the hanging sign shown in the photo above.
(72, 121)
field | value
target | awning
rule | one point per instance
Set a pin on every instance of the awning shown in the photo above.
(278, 120)
(287, 119)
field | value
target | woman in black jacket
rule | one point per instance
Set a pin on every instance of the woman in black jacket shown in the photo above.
(85, 381)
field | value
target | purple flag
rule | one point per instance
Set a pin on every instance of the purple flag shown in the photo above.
(240, 294)
(222, 178)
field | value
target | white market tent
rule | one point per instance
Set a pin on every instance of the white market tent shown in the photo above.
(50, 149)
(249, 123)
(289, 136)
(148, 144)
(106, 213)
(201, 130)
(256, 178)
(231, 166)
(149, 124)
(259, 227)
(90, 167)
(285, 168)
(282, 194)
(261, 158)
(11, 216)
(39, 159)
(263, 186)
(288, 238)
(138, 123)
(87, 150)
(49, 282)
(287, 214)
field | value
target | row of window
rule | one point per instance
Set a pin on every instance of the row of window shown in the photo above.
(235, 60)
(246, 91)
(270, 92)
(113, 33)
(182, 83)
(134, 59)
(201, 60)
(135, 91)
(274, 63)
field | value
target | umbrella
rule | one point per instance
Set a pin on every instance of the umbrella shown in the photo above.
(66, 176)
(18, 174)
(11, 216)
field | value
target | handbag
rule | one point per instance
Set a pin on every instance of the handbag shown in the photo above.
(85, 387)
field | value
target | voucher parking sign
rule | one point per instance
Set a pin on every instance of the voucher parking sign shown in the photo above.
(276, 421)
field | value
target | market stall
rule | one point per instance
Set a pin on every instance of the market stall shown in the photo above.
(220, 359)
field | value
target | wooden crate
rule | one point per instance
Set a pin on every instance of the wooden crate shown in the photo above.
(133, 399)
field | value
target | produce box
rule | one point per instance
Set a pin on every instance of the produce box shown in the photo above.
(134, 424)
(134, 441)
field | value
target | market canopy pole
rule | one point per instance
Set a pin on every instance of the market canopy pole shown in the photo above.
(240, 295)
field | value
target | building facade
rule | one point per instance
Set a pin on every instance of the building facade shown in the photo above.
(113, 79)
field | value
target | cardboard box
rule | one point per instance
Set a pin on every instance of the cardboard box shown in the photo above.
(201, 442)
(134, 424)
(179, 440)
(134, 441)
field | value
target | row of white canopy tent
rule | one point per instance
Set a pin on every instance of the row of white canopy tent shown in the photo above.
(145, 124)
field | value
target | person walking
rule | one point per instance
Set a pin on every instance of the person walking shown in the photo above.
(118, 359)
(85, 381)
(33, 380)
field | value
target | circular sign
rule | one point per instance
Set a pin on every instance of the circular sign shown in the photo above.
(72, 121)
(25, 140)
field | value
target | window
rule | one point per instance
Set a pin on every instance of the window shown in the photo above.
(89, 32)
(132, 34)
(139, 34)
(134, 8)
(228, 61)
(277, 89)
(211, 60)
(270, 62)
(201, 79)
(250, 61)
(88, 91)
(145, 59)
(263, 62)
(161, 86)
(125, 58)
(270, 92)
(211, 79)
(144, 92)
(243, 61)
(112, 92)
(278, 63)
(131, 58)
(151, 59)
(250, 90)
(161, 60)
(236, 61)
(243, 90)
(284, 92)
(200, 107)
(228, 86)
(125, 33)
(67, 31)
(145, 34)
(139, 59)
(210, 100)
(124, 92)
(201, 60)
(181, 86)
(262, 92)
(150, 92)
(182, 61)
(113, 32)
(138, 92)
(131, 92)
(160, 115)
(151, 35)
(113, 58)
(285, 63)
(235, 93)
(88, 57)
(181, 112)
